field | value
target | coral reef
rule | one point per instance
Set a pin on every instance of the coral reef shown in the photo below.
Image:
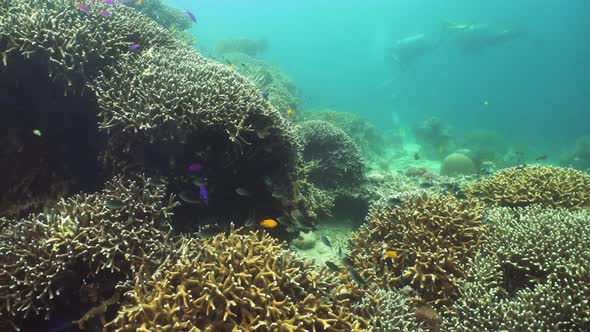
(167, 16)
(432, 236)
(273, 84)
(159, 107)
(457, 164)
(545, 185)
(531, 274)
(431, 134)
(233, 281)
(484, 145)
(251, 47)
(334, 159)
(389, 312)
(364, 134)
(91, 239)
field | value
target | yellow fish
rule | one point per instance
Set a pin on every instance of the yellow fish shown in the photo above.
(269, 223)
(37, 132)
(441, 148)
(391, 254)
(138, 2)
(331, 116)
(231, 65)
(290, 112)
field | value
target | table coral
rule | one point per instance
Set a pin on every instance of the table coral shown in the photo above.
(432, 235)
(531, 275)
(234, 281)
(545, 185)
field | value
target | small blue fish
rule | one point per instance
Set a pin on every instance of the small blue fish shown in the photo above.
(190, 16)
(134, 47)
(204, 196)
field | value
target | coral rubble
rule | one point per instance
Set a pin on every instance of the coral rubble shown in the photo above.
(545, 185)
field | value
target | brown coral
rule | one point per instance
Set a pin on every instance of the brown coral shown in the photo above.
(232, 282)
(545, 185)
(432, 236)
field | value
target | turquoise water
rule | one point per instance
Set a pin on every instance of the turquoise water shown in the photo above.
(334, 51)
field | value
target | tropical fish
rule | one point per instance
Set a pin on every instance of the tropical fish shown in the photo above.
(264, 95)
(391, 254)
(269, 223)
(189, 197)
(416, 156)
(83, 7)
(105, 13)
(190, 16)
(134, 47)
(199, 182)
(441, 148)
(231, 65)
(194, 167)
(332, 266)
(242, 192)
(541, 157)
(114, 204)
(138, 2)
(326, 241)
(108, 2)
(356, 277)
(37, 132)
(485, 103)
(290, 112)
(204, 195)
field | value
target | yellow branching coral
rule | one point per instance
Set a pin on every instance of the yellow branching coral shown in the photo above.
(237, 282)
(432, 236)
(545, 185)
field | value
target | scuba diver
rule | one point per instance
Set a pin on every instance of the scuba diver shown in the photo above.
(474, 37)
(406, 50)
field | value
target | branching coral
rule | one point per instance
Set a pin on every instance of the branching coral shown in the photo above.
(232, 282)
(109, 235)
(532, 274)
(432, 236)
(544, 185)
(337, 159)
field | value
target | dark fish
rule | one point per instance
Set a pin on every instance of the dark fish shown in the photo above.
(189, 197)
(416, 156)
(326, 241)
(134, 47)
(190, 16)
(541, 157)
(242, 192)
(356, 277)
(394, 201)
(340, 254)
(267, 181)
(204, 195)
(264, 95)
(332, 266)
(199, 182)
(115, 204)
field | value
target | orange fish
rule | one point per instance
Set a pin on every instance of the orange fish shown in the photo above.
(391, 254)
(231, 65)
(290, 112)
(269, 223)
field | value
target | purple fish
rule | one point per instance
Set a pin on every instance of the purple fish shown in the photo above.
(204, 196)
(134, 47)
(105, 13)
(83, 7)
(121, 2)
(195, 167)
(108, 2)
(191, 16)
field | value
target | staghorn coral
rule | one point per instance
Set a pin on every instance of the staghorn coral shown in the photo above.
(531, 275)
(432, 234)
(545, 185)
(167, 16)
(233, 281)
(89, 238)
(389, 311)
(337, 162)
